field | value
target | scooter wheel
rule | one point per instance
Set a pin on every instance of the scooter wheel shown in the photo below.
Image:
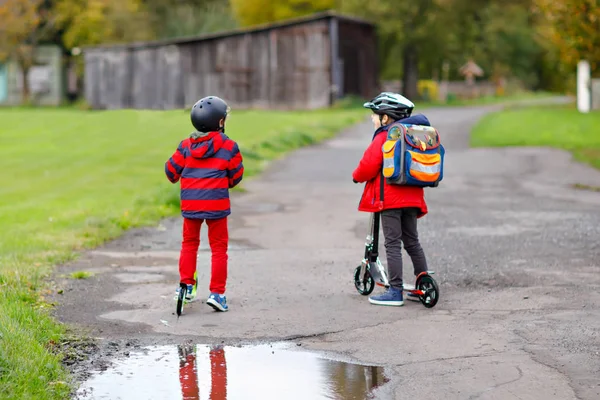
(430, 289)
(367, 285)
(181, 298)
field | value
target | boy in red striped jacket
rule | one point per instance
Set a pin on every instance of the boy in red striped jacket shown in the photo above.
(208, 164)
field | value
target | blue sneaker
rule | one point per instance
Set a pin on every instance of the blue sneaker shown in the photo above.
(391, 297)
(190, 294)
(218, 302)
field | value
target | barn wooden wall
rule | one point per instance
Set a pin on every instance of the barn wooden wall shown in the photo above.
(286, 67)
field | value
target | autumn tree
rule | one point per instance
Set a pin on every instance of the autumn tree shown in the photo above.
(90, 22)
(573, 27)
(23, 23)
(254, 12)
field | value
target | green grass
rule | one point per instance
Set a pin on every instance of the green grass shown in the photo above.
(489, 100)
(521, 96)
(73, 179)
(80, 275)
(560, 127)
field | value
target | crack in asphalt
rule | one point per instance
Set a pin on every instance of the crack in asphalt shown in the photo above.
(313, 335)
(450, 358)
(496, 386)
(291, 338)
(534, 357)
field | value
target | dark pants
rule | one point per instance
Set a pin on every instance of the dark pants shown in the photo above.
(400, 226)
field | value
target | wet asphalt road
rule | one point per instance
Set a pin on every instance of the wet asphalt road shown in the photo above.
(515, 248)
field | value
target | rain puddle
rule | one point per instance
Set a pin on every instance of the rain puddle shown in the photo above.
(194, 372)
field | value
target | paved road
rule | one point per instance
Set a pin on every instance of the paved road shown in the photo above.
(515, 248)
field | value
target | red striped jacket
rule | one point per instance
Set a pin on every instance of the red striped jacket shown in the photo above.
(208, 167)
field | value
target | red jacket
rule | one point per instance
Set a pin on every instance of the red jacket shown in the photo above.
(394, 196)
(208, 167)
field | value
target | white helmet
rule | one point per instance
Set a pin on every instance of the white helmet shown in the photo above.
(392, 104)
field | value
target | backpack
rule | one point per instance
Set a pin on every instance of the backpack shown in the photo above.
(413, 155)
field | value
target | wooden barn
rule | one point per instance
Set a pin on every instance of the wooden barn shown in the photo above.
(304, 63)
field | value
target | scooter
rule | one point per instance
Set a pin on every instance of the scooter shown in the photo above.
(371, 272)
(181, 296)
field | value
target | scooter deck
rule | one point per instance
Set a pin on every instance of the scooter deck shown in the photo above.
(408, 287)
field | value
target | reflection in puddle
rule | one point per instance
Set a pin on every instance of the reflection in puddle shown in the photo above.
(218, 373)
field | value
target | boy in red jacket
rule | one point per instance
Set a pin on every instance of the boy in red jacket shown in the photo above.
(401, 205)
(208, 164)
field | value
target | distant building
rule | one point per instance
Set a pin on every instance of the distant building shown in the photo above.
(46, 79)
(3, 84)
(304, 63)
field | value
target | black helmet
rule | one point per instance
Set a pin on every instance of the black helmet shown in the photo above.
(207, 113)
(392, 104)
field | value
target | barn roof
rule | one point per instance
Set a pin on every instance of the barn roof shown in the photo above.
(236, 32)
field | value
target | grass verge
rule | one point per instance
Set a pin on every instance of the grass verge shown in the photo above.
(589, 188)
(560, 127)
(490, 100)
(74, 179)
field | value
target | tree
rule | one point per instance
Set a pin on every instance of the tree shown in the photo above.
(22, 24)
(418, 37)
(573, 27)
(177, 18)
(254, 12)
(90, 22)
(407, 26)
(500, 36)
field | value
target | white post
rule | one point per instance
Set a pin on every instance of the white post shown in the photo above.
(583, 87)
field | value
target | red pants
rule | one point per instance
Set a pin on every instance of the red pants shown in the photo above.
(218, 374)
(188, 374)
(218, 238)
